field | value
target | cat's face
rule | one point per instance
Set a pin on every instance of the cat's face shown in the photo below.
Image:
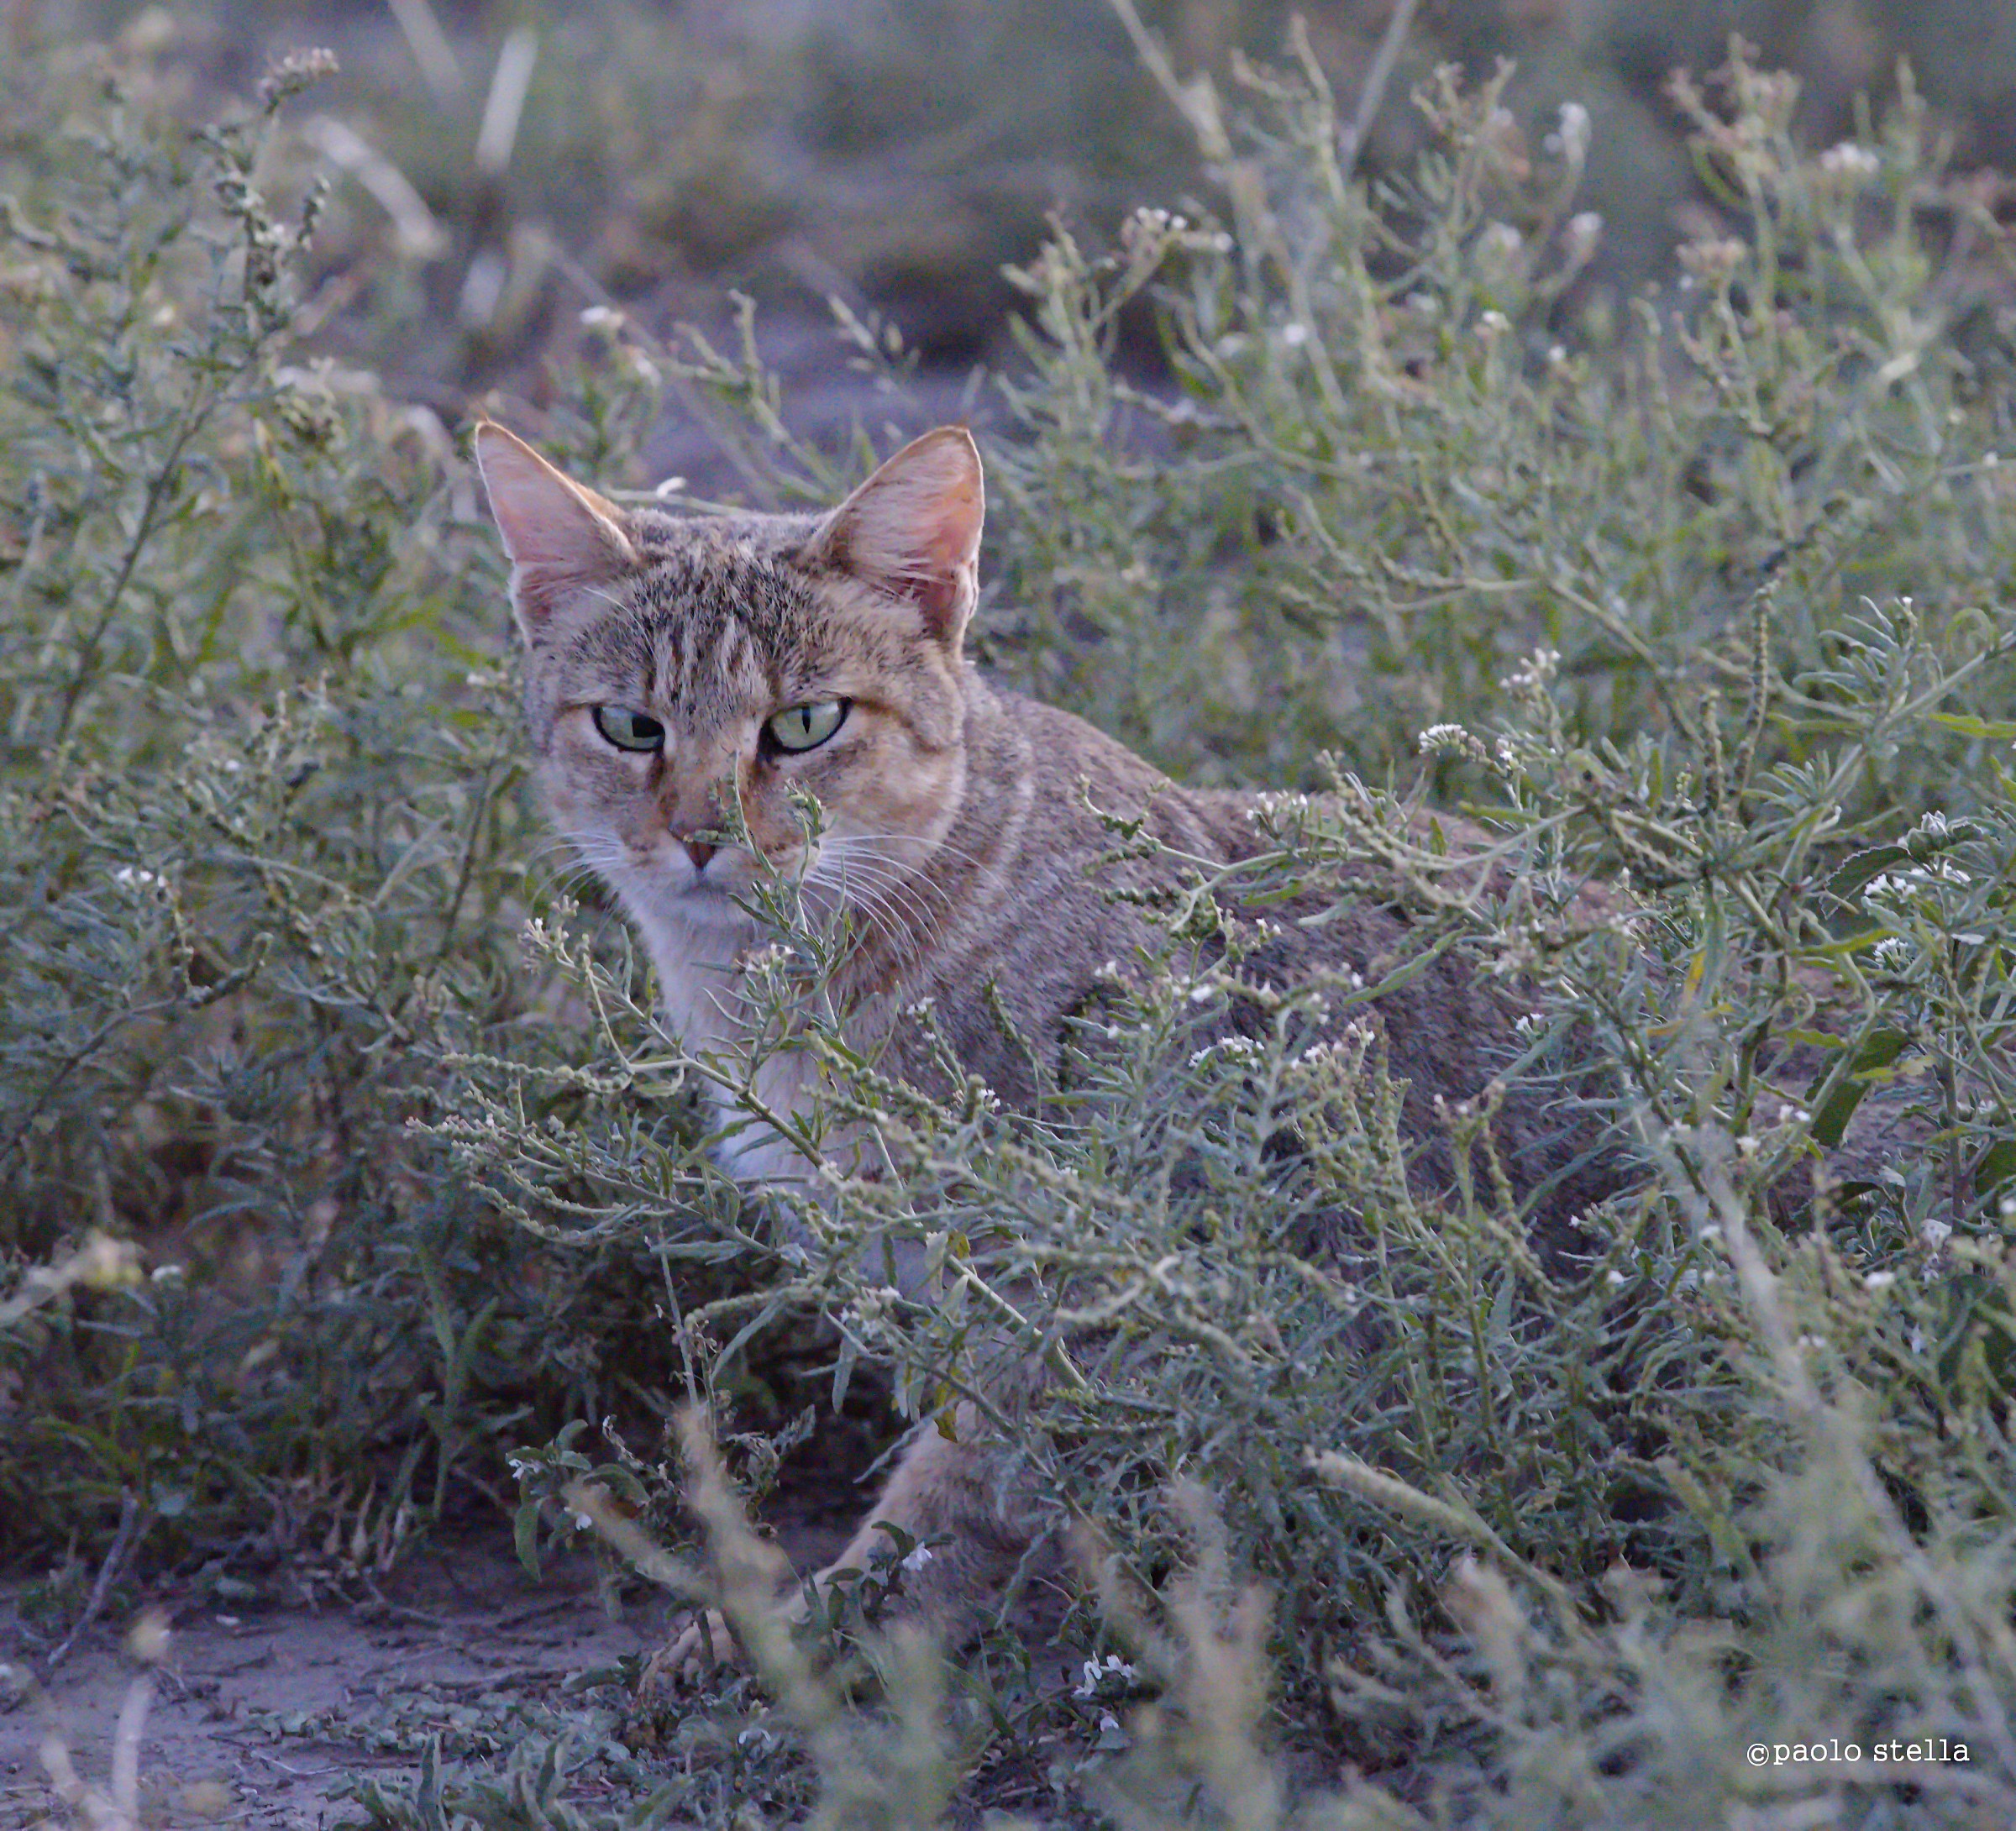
(689, 681)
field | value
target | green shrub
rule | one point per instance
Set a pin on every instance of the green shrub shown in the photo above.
(1699, 599)
(263, 851)
(1747, 540)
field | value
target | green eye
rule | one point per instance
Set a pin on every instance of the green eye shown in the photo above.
(628, 730)
(805, 727)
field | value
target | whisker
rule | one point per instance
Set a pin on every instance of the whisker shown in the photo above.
(576, 857)
(858, 853)
(894, 902)
(607, 597)
(935, 847)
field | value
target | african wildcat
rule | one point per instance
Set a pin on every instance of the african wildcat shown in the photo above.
(684, 675)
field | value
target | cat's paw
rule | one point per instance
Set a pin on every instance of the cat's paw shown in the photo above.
(705, 1645)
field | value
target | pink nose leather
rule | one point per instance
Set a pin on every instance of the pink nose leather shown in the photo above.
(699, 851)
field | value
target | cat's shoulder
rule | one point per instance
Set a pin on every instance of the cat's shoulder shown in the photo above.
(1077, 772)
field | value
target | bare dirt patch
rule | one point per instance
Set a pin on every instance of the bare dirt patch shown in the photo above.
(264, 1710)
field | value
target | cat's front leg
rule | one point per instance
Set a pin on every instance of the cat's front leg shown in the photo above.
(968, 1507)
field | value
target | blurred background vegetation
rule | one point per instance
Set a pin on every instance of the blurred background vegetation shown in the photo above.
(342, 1178)
(900, 154)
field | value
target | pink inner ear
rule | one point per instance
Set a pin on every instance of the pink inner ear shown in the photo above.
(551, 525)
(914, 528)
(938, 598)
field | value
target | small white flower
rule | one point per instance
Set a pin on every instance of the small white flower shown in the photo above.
(1229, 1048)
(1571, 137)
(917, 1558)
(1094, 1673)
(1879, 1281)
(1295, 335)
(1534, 672)
(1856, 162)
(1442, 737)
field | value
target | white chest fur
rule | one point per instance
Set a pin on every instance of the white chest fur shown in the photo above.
(752, 1081)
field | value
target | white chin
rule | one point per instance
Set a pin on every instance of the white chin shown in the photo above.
(656, 904)
(709, 905)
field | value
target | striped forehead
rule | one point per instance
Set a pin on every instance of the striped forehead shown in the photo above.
(706, 661)
(710, 632)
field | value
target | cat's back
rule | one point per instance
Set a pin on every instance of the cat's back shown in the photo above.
(1078, 892)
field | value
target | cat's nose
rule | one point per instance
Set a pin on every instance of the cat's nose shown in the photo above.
(699, 851)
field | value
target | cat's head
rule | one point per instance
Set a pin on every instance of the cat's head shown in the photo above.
(684, 673)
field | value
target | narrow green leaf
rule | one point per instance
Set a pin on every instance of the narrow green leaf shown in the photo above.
(1969, 727)
(1877, 1053)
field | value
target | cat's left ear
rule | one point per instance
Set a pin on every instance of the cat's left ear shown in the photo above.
(913, 530)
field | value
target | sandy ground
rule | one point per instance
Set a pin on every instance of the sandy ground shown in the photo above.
(259, 1713)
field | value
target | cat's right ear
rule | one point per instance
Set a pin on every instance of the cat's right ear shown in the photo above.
(913, 530)
(563, 539)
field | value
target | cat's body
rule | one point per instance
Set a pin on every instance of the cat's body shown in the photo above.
(684, 674)
(1007, 901)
